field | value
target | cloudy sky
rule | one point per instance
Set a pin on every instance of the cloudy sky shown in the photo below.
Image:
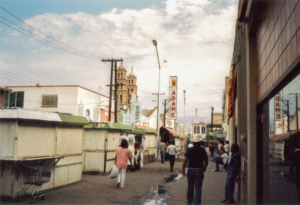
(195, 37)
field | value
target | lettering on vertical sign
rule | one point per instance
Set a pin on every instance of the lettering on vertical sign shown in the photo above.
(277, 107)
(173, 93)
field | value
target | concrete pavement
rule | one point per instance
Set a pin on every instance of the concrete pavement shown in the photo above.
(141, 187)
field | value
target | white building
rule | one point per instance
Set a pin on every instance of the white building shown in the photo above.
(199, 129)
(72, 99)
(149, 118)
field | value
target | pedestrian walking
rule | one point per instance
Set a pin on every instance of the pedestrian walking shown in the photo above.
(171, 150)
(233, 171)
(122, 154)
(212, 149)
(197, 161)
(162, 148)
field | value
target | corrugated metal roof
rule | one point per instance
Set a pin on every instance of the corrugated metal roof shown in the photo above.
(147, 131)
(109, 126)
(67, 118)
(17, 113)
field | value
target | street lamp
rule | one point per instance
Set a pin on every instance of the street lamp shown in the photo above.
(212, 120)
(155, 44)
(184, 112)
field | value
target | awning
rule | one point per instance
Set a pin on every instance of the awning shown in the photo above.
(175, 133)
(283, 137)
(109, 126)
(74, 119)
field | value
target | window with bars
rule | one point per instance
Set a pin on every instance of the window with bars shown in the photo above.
(15, 99)
(49, 100)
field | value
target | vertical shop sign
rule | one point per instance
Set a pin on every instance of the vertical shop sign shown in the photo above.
(231, 94)
(173, 94)
(277, 107)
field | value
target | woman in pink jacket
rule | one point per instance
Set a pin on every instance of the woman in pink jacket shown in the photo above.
(122, 154)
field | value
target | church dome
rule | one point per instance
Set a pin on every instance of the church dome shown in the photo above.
(121, 67)
(131, 75)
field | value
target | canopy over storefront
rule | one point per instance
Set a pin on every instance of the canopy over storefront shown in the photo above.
(281, 137)
(168, 133)
(110, 126)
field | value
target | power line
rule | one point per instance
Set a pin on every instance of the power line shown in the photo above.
(52, 89)
(84, 54)
(50, 44)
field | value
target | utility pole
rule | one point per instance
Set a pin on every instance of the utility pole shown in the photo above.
(196, 112)
(287, 102)
(297, 120)
(110, 90)
(212, 120)
(184, 111)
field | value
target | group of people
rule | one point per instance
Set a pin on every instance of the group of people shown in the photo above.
(196, 159)
(169, 148)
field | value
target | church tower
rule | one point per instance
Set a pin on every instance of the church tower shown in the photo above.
(126, 86)
(131, 86)
(122, 87)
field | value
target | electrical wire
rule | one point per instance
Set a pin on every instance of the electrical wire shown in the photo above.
(84, 54)
(74, 93)
(50, 44)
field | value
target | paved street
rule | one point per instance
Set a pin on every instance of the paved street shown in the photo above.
(140, 188)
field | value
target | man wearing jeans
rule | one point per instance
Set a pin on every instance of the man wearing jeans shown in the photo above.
(197, 160)
(162, 148)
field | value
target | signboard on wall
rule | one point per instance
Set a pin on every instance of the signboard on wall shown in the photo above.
(173, 94)
(277, 107)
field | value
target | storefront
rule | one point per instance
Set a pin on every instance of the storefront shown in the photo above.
(48, 141)
(265, 70)
(168, 134)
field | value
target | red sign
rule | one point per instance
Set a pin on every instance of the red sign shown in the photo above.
(173, 94)
(231, 95)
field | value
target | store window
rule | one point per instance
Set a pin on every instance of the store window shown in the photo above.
(15, 99)
(284, 113)
(49, 100)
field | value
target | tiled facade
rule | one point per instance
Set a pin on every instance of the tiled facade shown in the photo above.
(278, 42)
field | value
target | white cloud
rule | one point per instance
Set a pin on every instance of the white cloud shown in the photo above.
(194, 36)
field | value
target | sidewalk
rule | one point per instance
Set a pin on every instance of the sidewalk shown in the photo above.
(213, 189)
(140, 185)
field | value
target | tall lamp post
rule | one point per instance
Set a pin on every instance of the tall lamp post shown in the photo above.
(184, 112)
(212, 120)
(155, 44)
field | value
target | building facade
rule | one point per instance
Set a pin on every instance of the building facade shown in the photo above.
(265, 64)
(72, 99)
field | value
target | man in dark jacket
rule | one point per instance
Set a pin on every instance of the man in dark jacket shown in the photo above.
(233, 171)
(197, 160)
